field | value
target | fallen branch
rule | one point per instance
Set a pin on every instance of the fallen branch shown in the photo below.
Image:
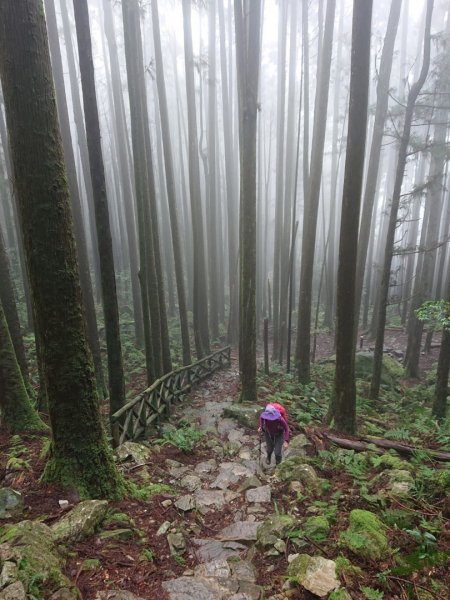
(362, 445)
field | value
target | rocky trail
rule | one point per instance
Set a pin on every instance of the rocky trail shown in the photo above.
(210, 520)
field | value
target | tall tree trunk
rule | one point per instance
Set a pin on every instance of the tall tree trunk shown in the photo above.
(230, 179)
(401, 161)
(344, 409)
(290, 169)
(80, 455)
(124, 166)
(303, 345)
(18, 413)
(212, 185)
(336, 151)
(82, 142)
(170, 185)
(248, 38)
(280, 177)
(116, 381)
(8, 300)
(148, 277)
(200, 309)
(20, 245)
(80, 237)
(375, 149)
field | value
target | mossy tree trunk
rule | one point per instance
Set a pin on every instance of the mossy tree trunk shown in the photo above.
(116, 379)
(248, 41)
(80, 455)
(17, 411)
(69, 157)
(8, 299)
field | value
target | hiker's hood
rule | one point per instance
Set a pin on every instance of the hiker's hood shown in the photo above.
(271, 413)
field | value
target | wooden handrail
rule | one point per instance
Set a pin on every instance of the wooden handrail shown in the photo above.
(131, 421)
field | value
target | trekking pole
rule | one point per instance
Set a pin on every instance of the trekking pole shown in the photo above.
(260, 441)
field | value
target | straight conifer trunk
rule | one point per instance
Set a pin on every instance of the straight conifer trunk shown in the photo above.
(8, 300)
(116, 380)
(303, 344)
(200, 300)
(18, 414)
(248, 39)
(344, 412)
(69, 157)
(170, 185)
(80, 455)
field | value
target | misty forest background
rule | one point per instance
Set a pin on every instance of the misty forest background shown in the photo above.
(226, 164)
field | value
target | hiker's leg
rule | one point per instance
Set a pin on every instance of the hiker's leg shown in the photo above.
(278, 445)
(269, 446)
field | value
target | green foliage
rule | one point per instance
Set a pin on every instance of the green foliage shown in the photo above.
(185, 438)
(147, 491)
(179, 559)
(147, 555)
(17, 456)
(345, 570)
(436, 313)
(371, 594)
(426, 542)
(354, 463)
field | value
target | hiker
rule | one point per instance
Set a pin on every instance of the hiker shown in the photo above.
(276, 432)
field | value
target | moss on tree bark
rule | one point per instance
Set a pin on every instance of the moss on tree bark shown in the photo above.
(17, 411)
(80, 454)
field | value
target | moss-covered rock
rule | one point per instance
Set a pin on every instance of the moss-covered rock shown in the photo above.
(32, 547)
(81, 521)
(11, 503)
(317, 528)
(118, 519)
(274, 528)
(138, 453)
(315, 573)
(366, 536)
(246, 414)
(116, 534)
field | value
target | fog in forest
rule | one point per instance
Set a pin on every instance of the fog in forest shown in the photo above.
(267, 175)
(208, 207)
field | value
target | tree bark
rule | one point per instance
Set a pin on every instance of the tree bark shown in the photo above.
(125, 170)
(8, 300)
(375, 149)
(343, 409)
(248, 39)
(80, 237)
(80, 454)
(200, 309)
(170, 185)
(116, 380)
(303, 345)
(18, 413)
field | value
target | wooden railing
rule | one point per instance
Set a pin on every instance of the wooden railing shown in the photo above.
(134, 419)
